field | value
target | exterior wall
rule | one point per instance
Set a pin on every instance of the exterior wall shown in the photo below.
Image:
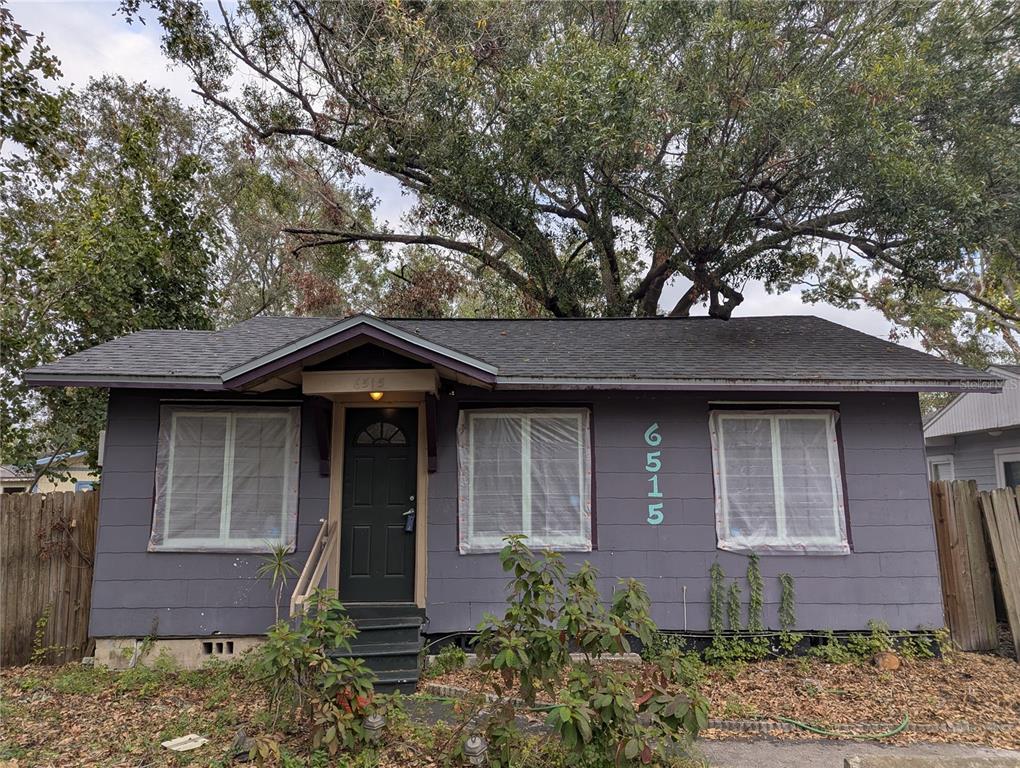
(891, 575)
(137, 593)
(974, 454)
(77, 474)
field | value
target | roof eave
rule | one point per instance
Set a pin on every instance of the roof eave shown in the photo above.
(764, 385)
(117, 381)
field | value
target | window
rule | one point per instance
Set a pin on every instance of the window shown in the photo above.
(941, 468)
(524, 471)
(226, 478)
(778, 481)
(381, 433)
(1007, 467)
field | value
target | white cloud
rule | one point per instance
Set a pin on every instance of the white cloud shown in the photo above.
(92, 39)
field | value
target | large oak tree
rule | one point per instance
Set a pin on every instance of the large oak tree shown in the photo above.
(588, 153)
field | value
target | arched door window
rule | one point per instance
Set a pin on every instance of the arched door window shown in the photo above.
(381, 433)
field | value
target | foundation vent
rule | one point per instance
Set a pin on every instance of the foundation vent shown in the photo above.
(218, 647)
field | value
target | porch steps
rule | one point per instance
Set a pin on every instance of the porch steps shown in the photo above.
(389, 640)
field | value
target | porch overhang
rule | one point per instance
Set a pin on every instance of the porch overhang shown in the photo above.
(390, 381)
(348, 334)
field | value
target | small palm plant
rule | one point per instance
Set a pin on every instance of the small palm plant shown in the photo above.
(276, 566)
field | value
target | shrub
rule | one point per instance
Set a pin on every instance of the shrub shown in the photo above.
(831, 651)
(604, 716)
(449, 659)
(863, 646)
(684, 668)
(295, 665)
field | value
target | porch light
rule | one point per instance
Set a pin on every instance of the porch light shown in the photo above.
(375, 395)
(475, 750)
(374, 725)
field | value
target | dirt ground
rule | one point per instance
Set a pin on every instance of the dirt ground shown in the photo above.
(978, 693)
(82, 717)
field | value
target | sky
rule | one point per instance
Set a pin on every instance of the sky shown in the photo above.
(92, 39)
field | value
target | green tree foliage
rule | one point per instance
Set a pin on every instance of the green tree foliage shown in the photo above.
(29, 113)
(587, 154)
(102, 236)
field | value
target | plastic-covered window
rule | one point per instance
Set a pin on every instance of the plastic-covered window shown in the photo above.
(226, 478)
(778, 482)
(524, 472)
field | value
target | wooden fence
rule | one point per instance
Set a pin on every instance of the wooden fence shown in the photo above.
(1002, 521)
(978, 535)
(47, 550)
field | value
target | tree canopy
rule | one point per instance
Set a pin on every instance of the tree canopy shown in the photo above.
(102, 237)
(589, 153)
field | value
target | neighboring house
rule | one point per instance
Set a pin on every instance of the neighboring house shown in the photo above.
(651, 447)
(977, 435)
(75, 475)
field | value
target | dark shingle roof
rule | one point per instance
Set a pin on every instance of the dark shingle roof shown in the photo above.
(751, 349)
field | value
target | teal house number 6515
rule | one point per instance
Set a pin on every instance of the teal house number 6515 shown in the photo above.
(653, 463)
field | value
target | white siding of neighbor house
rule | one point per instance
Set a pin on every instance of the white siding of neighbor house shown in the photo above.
(974, 455)
(979, 411)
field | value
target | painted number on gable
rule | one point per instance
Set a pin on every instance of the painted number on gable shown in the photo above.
(653, 463)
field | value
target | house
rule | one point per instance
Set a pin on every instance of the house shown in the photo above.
(74, 475)
(976, 436)
(651, 447)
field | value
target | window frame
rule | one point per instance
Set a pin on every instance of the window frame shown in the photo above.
(291, 413)
(1003, 455)
(471, 543)
(942, 460)
(780, 543)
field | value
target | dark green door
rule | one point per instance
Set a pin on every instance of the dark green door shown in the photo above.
(380, 479)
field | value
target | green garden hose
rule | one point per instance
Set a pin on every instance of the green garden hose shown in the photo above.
(840, 735)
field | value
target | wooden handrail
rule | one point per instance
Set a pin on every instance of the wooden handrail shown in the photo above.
(325, 540)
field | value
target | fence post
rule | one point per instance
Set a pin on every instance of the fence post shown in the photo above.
(963, 565)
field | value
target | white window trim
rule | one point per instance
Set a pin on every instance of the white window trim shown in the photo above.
(1002, 455)
(472, 542)
(820, 545)
(946, 459)
(224, 542)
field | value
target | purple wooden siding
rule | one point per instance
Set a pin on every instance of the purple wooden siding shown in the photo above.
(892, 574)
(135, 592)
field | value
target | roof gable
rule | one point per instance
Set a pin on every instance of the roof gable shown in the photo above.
(979, 411)
(360, 327)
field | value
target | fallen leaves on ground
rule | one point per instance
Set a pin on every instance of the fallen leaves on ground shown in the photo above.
(979, 690)
(965, 688)
(64, 716)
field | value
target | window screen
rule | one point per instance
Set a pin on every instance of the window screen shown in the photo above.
(226, 478)
(524, 472)
(778, 481)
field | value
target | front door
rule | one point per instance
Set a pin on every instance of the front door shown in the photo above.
(380, 481)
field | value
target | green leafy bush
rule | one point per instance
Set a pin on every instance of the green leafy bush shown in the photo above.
(832, 651)
(605, 716)
(298, 672)
(863, 646)
(449, 659)
(684, 668)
